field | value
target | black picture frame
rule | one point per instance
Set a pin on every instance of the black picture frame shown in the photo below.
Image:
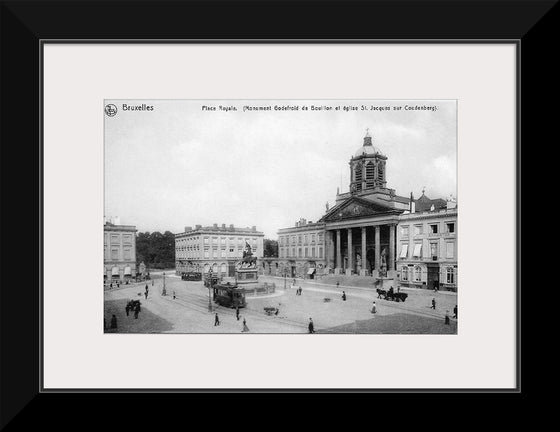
(28, 26)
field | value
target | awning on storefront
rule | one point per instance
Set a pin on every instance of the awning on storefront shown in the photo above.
(115, 271)
(404, 251)
(311, 271)
(127, 271)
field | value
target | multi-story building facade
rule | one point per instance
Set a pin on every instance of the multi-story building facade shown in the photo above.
(367, 227)
(215, 247)
(119, 255)
(427, 244)
(301, 250)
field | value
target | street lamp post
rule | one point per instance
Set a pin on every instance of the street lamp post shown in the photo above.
(164, 292)
(285, 275)
(210, 290)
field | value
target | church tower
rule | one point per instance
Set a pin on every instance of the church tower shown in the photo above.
(367, 168)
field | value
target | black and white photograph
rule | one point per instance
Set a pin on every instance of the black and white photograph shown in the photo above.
(280, 216)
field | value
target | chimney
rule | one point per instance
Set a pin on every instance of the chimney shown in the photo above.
(198, 227)
(188, 228)
(254, 228)
(309, 222)
(223, 226)
(215, 225)
(412, 204)
(230, 226)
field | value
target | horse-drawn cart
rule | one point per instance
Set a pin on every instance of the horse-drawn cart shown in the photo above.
(391, 295)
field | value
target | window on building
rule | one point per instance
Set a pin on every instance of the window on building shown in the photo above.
(114, 254)
(231, 250)
(306, 238)
(223, 268)
(127, 238)
(114, 238)
(417, 253)
(313, 238)
(450, 227)
(418, 229)
(434, 228)
(206, 254)
(404, 273)
(306, 252)
(450, 275)
(418, 274)
(299, 252)
(127, 255)
(313, 252)
(293, 239)
(299, 238)
(294, 252)
(320, 252)
(223, 253)
(434, 251)
(206, 240)
(404, 251)
(450, 250)
(404, 231)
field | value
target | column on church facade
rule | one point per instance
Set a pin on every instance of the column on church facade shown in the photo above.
(391, 264)
(363, 271)
(338, 251)
(377, 247)
(350, 253)
(329, 245)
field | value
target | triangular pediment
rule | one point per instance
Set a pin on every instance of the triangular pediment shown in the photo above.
(354, 208)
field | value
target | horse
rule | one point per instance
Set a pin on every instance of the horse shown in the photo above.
(381, 292)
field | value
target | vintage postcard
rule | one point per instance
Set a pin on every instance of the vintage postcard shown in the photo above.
(280, 216)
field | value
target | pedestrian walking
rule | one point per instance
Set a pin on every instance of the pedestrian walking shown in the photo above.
(136, 311)
(127, 308)
(455, 312)
(311, 327)
(174, 295)
(300, 290)
(447, 317)
(146, 295)
(152, 282)
(111, 285)
(245, 328)
(114, 322)
(343, 296)
(374, 308)
(237, 313)
(146, 287)
(337, 285)
(216, 320)
(434, 303)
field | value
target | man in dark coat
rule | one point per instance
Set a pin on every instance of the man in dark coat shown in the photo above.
(455, 312)
(136, 311)
(237, 313)
(343, 296)
(447, 317)
(127, 308)
(114, 322)
(311, 327)
(216, 320)
(434, 303)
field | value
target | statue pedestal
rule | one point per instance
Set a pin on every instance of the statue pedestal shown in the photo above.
(363, 272)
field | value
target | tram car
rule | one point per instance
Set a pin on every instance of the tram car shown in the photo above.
(215, 279)
(229, 295)
(191, 276)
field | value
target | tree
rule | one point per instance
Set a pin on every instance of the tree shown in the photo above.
(270, 248)
(155, 249)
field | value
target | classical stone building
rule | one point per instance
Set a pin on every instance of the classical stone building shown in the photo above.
(364, 231)
(361, 228)
(427, 244)
(301, 251)
(216, 247)
(119, 254)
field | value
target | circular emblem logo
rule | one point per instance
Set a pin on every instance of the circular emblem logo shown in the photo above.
(111, 110)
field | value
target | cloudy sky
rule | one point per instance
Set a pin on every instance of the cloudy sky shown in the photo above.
(179, 165)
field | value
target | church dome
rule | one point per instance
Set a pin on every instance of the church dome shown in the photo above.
(367, 148)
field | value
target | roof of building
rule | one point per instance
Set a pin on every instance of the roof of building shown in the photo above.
(424, 203)
(367, 148)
